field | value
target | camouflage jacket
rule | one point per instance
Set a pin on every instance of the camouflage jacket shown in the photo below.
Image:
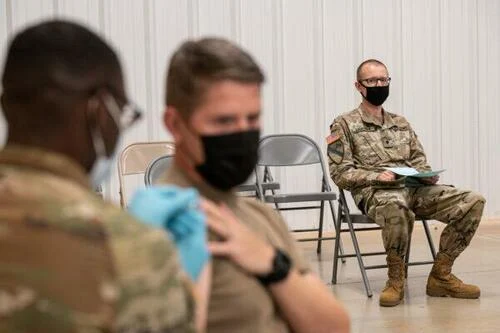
(69, 262)
(360, 146)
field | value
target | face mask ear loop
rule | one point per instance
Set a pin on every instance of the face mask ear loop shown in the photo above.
(361, 84)
(97, 140)
(113, 109)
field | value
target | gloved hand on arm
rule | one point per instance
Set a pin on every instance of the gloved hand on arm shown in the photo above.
(176, 210)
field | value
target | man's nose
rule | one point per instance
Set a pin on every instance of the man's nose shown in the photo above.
(243, 124)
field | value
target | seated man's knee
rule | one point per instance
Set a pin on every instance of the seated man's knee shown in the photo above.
(392, 212)
(473, 204)
(475, 198)
(470, 201)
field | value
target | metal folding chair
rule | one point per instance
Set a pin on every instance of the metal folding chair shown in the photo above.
(156, 168)
(344, 216)
(250, 186)
(288, 150)
(136, 157)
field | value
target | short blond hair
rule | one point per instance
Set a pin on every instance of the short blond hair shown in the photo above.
(197, 64)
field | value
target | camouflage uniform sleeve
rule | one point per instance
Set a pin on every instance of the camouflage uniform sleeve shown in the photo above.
(418, 159)
(155, 295)
(343, 169)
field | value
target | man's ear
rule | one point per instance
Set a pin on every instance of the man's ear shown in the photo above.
(357, 85)
(173, 122)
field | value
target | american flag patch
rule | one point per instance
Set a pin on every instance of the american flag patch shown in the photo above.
(332, 138)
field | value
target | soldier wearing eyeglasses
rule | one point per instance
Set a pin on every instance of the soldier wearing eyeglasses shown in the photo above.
(362, 144)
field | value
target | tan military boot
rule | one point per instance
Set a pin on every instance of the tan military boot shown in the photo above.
(394, 288)
(442, 282)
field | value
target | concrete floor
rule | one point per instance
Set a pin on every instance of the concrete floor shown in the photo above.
(479, 264)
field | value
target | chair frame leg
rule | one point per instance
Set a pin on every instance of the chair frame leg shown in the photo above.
(337, 231)
(361, 264)
(429, 239)
(320, 228)
(407, 255)
(336, 251)
(344, 213)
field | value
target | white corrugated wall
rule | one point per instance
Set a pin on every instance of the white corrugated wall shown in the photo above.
(443, 56)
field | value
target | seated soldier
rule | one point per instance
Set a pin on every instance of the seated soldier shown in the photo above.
(362, 144)
(260, 281)
(69, 262)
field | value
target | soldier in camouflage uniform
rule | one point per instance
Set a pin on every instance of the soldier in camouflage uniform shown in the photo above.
(70, 262)
(365, 141)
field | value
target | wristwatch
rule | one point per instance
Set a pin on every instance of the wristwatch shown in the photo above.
(281, 267)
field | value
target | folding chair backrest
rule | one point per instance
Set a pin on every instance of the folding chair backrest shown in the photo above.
(136, 157)
(157, 168)
(288, 150)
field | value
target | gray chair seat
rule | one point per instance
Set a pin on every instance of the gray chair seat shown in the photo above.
(252, 187)
(300, 197)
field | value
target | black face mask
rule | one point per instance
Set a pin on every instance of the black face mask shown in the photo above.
(229, 158)
(376, 95)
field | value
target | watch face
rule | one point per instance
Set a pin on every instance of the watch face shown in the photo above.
(282, 262)
(281, 268)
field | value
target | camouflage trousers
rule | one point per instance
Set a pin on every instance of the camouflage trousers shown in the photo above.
(395, 210)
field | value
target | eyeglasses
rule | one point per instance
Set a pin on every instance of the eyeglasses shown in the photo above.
(372, 81)
(124, 117)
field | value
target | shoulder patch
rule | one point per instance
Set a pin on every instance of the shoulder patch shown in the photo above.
(336, 151)
(332, 138)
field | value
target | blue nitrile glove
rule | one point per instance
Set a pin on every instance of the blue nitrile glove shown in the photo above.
(177, 211)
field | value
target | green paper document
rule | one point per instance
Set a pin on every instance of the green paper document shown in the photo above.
(411, 172)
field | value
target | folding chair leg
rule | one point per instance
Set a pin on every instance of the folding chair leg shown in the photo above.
(337, 233)
(429, 239)
(275, 204)
(338, 250)
(407, 255)
(408, 248)
(357, 251)
(337, 223)
(361, 264)
(320, 229)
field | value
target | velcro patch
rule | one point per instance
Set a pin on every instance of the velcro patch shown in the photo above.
(332, 138)
(336, 151)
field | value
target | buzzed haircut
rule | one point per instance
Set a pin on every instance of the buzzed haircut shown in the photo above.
(55, 55)
(369, 61)
(197, 64)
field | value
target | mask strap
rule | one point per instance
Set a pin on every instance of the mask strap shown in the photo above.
(97, 140)
(113, 110)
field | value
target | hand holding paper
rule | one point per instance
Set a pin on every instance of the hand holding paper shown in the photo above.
(412, 172)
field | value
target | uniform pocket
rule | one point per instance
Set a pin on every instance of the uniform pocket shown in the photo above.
(402, 139)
